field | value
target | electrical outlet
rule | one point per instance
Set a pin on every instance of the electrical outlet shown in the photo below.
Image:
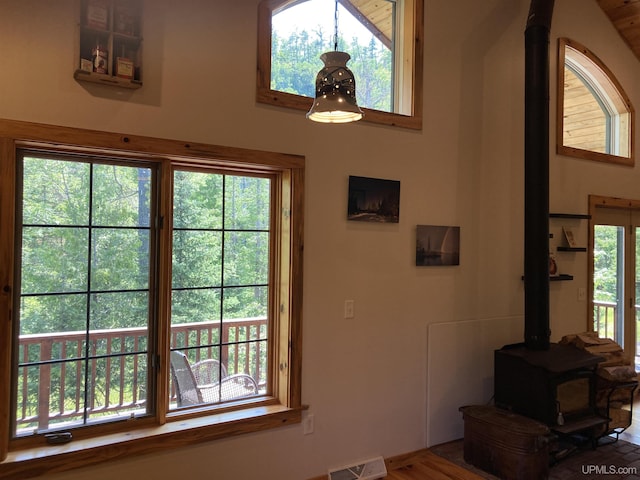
(349, 309)
(308, 424)
(582, 294)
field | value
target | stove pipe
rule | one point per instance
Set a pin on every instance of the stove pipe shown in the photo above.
(536, 176)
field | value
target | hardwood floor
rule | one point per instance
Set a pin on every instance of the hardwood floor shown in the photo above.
(427, 465)
(423, 465)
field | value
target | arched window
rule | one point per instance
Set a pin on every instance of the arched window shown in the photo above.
(595, 116)
(383, 38)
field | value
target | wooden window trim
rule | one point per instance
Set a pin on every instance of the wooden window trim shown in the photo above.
(167, 430)
(31, 462)
(602, 72)
(264, 93)
(596, 202)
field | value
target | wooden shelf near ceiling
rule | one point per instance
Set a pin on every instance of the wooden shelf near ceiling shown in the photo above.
(110, 46)
(104, 79)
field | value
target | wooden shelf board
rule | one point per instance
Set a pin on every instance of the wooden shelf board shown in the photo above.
(570, 215)
(104, 79)
(556, 278)
(562, 276)
(580, 424)
(572, 249)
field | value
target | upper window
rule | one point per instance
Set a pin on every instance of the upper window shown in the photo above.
(383, 38)
(147, 290)
(595, 116)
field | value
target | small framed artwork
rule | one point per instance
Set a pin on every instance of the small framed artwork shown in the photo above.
(568, 235)
(373, 200)
(437, 245)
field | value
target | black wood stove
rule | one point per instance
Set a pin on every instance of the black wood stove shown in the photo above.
(554, 386)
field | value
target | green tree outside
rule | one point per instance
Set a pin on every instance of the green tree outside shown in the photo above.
(295, 62)
(86, 267)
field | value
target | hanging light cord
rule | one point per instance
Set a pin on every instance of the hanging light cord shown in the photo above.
(335, 23)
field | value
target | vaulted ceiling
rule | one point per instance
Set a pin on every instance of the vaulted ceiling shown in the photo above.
(625, 16)
(376, 15)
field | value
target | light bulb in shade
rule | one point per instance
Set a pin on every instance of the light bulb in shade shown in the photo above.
(335, 100)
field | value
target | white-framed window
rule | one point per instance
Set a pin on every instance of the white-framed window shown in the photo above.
(595, 117)
(147, 286)
(383, 38)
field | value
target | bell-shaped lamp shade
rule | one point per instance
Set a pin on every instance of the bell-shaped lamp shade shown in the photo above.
(335, 100)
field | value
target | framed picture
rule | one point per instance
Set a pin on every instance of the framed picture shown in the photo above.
(437, 245)
(373, 200)
(568, 235)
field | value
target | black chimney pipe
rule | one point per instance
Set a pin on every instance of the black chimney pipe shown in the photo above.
(536, 176)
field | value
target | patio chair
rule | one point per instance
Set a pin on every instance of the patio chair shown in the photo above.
(208, 372)
(190, 391)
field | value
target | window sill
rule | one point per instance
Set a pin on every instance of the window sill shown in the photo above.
(298, 102)
(178, 432)
(595, 156)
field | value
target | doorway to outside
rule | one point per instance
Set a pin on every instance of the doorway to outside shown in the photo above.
(614, 256)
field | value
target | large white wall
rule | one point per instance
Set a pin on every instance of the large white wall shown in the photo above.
(389, 381)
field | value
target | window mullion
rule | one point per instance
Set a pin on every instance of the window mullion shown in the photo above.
(87, 347)
(223, 339)
(162, 332)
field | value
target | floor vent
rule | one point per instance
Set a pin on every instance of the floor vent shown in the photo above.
(368, 470)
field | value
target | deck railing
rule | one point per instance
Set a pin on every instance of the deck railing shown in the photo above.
(604, 318)
(604, 323)
(116, 380)
(55, 403)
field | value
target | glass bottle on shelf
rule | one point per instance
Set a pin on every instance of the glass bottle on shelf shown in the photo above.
(100, 58)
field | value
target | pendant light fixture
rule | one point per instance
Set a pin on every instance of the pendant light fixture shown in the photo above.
(335, 100)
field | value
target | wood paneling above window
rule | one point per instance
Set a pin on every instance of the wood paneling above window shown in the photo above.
(625, 16)
(584, 120)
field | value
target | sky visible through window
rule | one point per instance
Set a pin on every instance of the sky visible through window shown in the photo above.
(312, 14)
(304, 31)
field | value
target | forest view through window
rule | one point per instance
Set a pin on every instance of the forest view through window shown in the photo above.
(219, 286)
(152, 294)
(88, 303)
(302, 31)
(85, 302)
